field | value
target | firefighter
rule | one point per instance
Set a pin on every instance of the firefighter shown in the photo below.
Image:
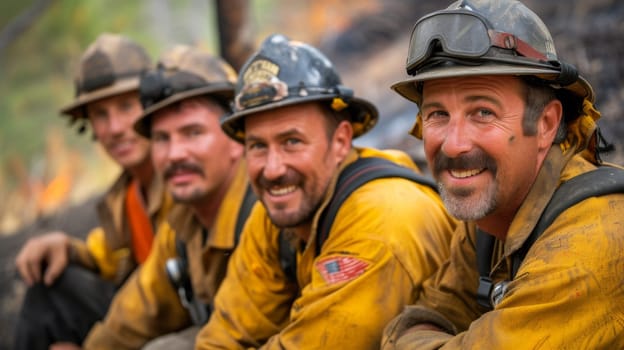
(506, 126)
(203, 170)
(345, 281)
(71, 282)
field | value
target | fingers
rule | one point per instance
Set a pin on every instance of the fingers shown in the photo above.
(50, 249)
(57, 262)
(28, 263)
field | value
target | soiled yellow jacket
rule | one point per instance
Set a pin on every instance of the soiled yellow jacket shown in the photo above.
(108, 248)
(148, 306)
(388, 236)
(567, 293)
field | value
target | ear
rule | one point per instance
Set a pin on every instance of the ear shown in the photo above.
(237, 150)
(341, 142)
(548, 123)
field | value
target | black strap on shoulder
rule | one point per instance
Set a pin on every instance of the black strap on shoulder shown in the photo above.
(484, 250)
(355, 175)
(287, 256)
(243, 212)
(602, 181)
(184, 284)
(351, 178)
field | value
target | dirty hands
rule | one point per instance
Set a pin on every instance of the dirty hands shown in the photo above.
(50, 250)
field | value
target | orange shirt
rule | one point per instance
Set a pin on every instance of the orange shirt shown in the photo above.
(140, 225)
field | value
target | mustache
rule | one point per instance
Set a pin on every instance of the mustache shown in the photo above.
(474, 160)
(291, 177)
(173, 168)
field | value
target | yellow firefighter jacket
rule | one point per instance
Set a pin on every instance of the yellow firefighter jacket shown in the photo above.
(567, 292)
(108, 248)
(148, 306)
(388, 236)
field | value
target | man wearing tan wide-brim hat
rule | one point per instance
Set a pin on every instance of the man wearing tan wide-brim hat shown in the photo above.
(71, 282)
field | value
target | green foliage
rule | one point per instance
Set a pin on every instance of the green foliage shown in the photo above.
(37, 69)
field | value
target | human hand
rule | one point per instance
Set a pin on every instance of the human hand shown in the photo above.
(51, 249)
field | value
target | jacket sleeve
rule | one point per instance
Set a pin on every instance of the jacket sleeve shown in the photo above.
(363, 276)
(96, 254)
(146, 306)
(565, 294)
(448, 298)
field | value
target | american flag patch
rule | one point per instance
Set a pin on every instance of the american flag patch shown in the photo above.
(340, 268)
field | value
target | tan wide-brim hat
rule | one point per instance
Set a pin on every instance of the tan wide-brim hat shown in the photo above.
(119, 87)
(110, 66)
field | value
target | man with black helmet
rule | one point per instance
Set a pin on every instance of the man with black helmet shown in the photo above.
(71, 281)
(297, 281)
(203, 170)
(510, 134)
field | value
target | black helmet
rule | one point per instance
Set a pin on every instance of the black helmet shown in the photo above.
(486, 37)
(285, 72)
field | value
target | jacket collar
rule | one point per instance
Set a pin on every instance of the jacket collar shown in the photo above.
(221, 235)
(555, 170)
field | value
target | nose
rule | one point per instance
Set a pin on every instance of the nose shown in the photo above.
(457, 139)
(274, 166)
(178, 150)
(117, 124)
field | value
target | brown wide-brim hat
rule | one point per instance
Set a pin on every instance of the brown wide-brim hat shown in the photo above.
(222, 91)
(182, 73)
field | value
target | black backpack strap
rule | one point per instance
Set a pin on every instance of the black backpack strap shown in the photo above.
(243, 212)
(200, 312)
(484, 249)
(602, 181)
(352, 177)
(355, 175)
(287, 257)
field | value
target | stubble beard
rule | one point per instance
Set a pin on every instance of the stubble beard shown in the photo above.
(304, 214)
(469, 204)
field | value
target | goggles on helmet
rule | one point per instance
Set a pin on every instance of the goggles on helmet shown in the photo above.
(460, 34)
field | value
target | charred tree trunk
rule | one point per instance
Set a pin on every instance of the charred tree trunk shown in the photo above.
(235, 41)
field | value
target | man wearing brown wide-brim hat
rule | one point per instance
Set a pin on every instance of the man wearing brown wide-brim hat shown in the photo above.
(71, 282)
(204, 171)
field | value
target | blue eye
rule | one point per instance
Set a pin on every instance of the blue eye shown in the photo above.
(254, 146)
(435, 115)
(292, 141)
(484, 113)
